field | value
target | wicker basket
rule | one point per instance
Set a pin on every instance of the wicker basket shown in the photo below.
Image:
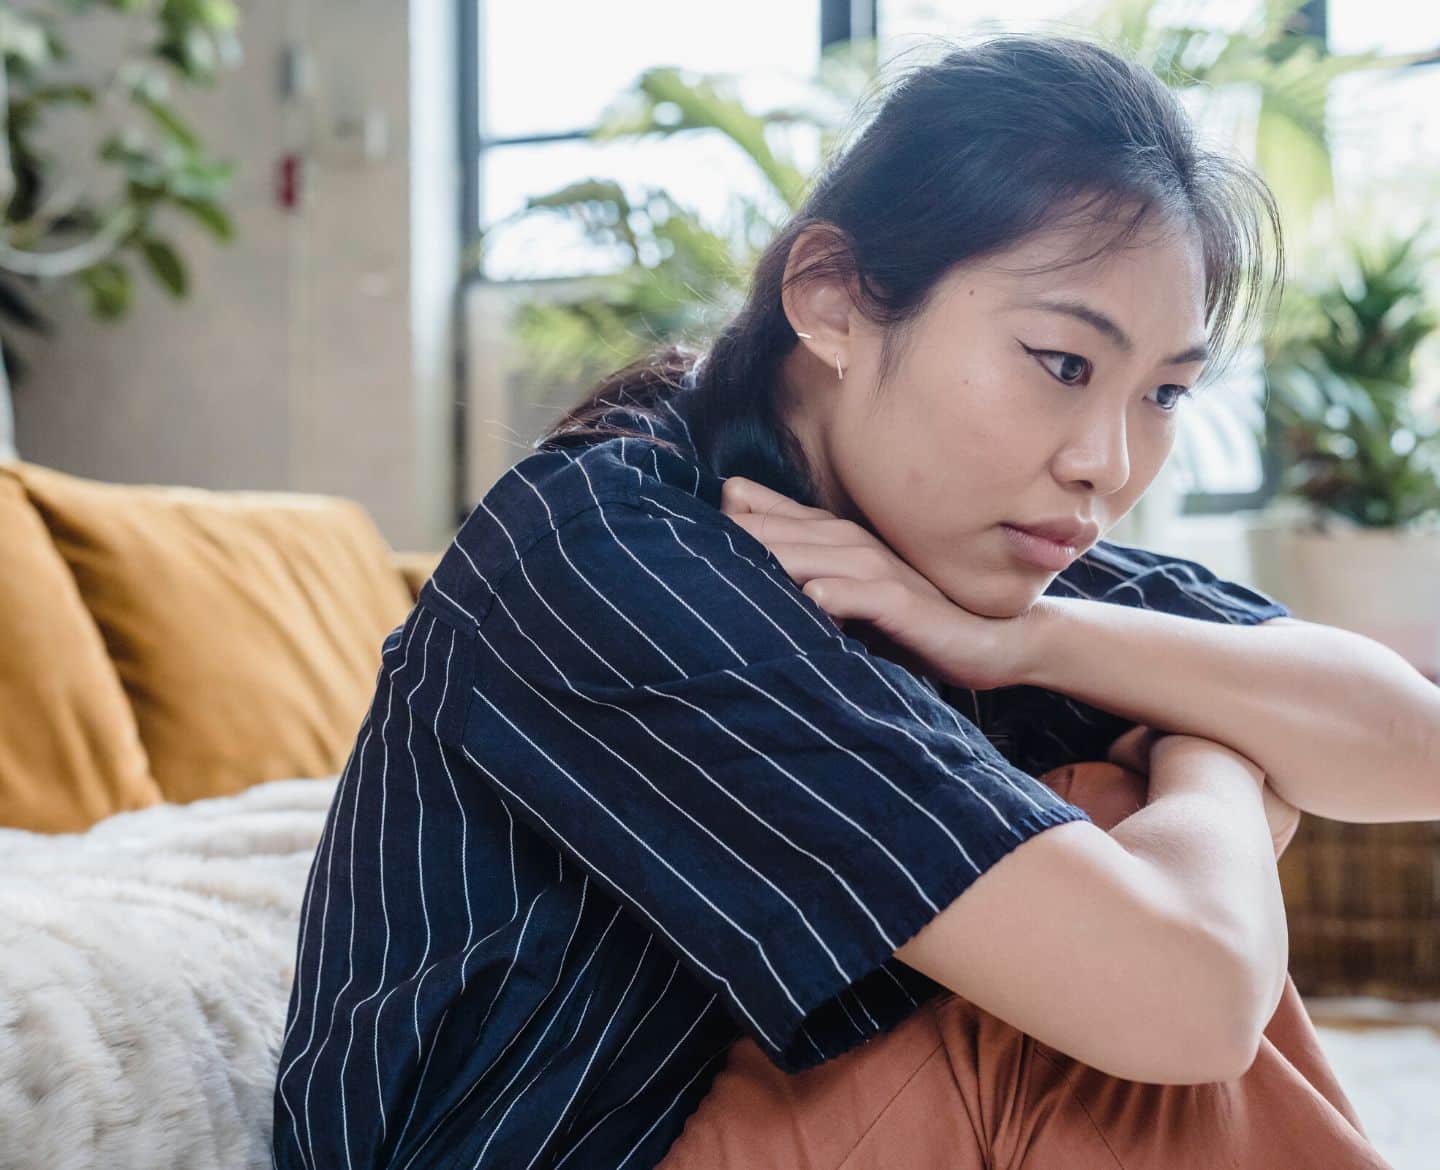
(1363, 903)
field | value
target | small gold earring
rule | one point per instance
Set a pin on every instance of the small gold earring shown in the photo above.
(838, 370)
(806, 336)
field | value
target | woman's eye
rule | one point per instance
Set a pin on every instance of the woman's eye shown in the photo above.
(1068, 369)
(1181, 393)
(1071, 366)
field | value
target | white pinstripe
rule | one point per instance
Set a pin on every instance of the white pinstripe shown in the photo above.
(475, 1084)
(440, 1024)
(590, 795)
(540, 1072)
(380, 851)
(673, 1102)
(465, 958)
(720, 788)
(419, 876)
(645, 1083)
(350, 973)
(739, 1004)
(357, 759)
(634, 1031)
(980, 762)
(804, 658)
(539, 1040)
(759, 946)
(580, 1080)
(384, 910)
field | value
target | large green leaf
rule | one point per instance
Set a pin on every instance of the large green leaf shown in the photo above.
(663, 102)
(167, 266)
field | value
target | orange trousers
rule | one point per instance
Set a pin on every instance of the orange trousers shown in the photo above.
(952, 1087)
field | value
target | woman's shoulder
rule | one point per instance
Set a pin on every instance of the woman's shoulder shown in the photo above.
(651, 480)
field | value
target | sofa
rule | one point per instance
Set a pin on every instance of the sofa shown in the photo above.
(181, 675)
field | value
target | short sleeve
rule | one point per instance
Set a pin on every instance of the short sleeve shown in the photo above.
(1051, 728)
(656, 697)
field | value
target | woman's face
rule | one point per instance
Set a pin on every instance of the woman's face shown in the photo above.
(1020, 399)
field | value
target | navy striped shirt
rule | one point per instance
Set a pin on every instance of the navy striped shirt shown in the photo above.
(625, 794)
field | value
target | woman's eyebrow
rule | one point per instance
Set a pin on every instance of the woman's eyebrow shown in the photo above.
(1198, 352)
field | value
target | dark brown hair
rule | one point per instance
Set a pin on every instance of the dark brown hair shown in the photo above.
(964, 156)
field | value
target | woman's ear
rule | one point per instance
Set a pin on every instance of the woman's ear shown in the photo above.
(818, 305)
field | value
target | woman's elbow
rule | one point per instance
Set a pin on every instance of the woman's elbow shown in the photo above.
(1257, 984)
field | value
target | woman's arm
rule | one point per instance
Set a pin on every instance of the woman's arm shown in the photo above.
(1342, 726)
(1111, 790)
(1193, 821)
(1156, 954)
(1200, 828)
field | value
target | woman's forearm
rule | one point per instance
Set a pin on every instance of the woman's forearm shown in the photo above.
(1343, 726)
(1204, 833)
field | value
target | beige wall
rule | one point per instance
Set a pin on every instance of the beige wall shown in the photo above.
(312, 353)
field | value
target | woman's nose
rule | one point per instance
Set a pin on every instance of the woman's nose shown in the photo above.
(1099, 457)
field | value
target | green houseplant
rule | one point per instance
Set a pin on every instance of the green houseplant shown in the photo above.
(1357, 444)
(95, 155)
(1353, 536)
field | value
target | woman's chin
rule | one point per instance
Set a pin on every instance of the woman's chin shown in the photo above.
(1005, 595)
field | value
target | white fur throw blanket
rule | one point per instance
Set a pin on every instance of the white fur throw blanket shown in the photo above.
(145, 968)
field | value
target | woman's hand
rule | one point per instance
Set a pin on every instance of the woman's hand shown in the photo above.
(1132, 752)
(876, 596)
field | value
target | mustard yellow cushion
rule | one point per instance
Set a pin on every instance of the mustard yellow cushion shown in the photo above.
(70, 750)
(415, 568)
(245, 626)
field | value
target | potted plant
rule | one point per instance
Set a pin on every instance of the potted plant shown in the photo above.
(1352, 537)
(87, 211)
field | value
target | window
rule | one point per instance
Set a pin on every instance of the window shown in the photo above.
(544, 72)
(704, 171)
(1386, 139)
(1388, 26)
(906, 22)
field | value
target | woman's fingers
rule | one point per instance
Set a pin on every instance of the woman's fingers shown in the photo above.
(741, 495)
(779, 527)
(806, 560)
(832, 547)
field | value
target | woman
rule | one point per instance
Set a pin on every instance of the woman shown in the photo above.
(680, 785)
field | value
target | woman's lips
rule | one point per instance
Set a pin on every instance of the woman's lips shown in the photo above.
(1038, 551)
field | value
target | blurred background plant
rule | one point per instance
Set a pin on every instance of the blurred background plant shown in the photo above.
(684, 275)
(87, 213)
(1280, 74)
(1360, 441)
